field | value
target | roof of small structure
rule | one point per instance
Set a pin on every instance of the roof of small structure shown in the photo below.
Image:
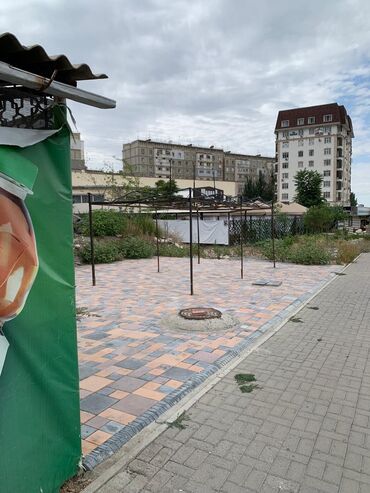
(35, 59)
(292, 208)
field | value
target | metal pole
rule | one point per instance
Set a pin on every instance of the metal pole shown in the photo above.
(156, 234)
(191, 241)
(241, 239)
(91, 241)
(198, 235)
(214, 184)
(273, 226)
(194, 177)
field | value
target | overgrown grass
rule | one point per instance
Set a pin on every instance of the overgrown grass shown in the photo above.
(316, 249)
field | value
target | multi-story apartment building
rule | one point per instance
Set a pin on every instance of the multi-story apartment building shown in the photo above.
(77, 152)
(162, 160)
(315, 138)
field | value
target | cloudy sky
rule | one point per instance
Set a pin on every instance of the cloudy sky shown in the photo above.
(210, 72)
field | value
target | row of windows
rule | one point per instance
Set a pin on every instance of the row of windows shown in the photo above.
(327, 162)
(311, 152)
(311, 142)
(286, 175)
(285, 196)
(84, 198)
(312, 131)
(326, 184)
(310, 121)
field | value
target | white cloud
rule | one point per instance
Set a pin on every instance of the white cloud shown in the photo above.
(207, 71)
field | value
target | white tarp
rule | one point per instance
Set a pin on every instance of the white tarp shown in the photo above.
(23, 137)
(210, 232)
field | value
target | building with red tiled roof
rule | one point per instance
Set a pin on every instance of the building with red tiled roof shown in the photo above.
(317, 138)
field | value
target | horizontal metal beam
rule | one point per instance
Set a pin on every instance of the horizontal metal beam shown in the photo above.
(14, 75)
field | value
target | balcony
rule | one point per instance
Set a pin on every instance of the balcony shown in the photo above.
(339, 175)
(339, 185)
(339, 152)
(339, 163)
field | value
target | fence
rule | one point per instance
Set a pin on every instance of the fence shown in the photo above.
(255, 228)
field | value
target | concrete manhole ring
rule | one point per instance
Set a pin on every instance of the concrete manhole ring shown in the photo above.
(224, 321)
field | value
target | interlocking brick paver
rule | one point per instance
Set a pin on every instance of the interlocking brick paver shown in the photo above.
(310, 440)
(123, 345)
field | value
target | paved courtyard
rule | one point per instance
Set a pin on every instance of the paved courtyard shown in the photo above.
(132, 369)
(305, 429)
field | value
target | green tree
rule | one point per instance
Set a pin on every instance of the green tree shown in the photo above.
(166, 189)
(259, 187)
(353, 199)
(323, 218)
(308, 188)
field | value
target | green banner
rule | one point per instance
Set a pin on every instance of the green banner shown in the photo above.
(39, 397)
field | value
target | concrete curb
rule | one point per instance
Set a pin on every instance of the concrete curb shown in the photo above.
(135, 437)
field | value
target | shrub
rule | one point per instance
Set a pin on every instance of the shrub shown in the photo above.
(105, 223)
(104, 252)
(320, 218)
(133, 247)
(168, 250)
(298, 250)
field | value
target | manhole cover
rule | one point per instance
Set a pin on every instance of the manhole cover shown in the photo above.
(200, 313)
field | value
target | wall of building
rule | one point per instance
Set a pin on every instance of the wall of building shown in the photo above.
(101, 184)
(160, 160)
(326, 148)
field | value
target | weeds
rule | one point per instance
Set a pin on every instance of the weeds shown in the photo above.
(179, 421)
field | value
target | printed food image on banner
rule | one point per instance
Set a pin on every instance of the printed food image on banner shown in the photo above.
(18, 253)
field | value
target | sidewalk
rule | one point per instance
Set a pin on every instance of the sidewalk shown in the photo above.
(305, 429)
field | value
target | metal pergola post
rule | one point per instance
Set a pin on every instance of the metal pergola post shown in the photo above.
(198, 235)
(156, 235)
(191, 240)
(241, 239)
(91, 231)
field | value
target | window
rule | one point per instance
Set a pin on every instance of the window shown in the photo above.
(284, 196)
(300, 132)
(142, 151)
(328, 118)
(327, 172)
(300, 153)
(310, 152)
(311, 120)
(300, 164)
(311, 131)
(285, 155)
(311, 164)
(327, 140)
(285, 165)
(285, 144)
(311, 142)
(326, 195)
(285, 175)
(327, 162)
(285, 186)
(285, 135)
(285, 123)
(327, 129)
(300, 142)
(327, 150)
(327, 183)
(300, 121)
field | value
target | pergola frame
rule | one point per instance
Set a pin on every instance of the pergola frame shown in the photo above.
(153, 201)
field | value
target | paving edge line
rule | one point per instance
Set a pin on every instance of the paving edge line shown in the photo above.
(113, 464)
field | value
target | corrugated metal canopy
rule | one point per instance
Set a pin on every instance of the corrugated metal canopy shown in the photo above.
(34, 59)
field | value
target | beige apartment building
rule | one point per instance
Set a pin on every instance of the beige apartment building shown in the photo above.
(147, 158)
(315, 138)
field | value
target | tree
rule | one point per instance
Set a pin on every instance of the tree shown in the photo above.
(166, 189)
(353, 199)
(308, 188)
(323, 217)
(259, 187)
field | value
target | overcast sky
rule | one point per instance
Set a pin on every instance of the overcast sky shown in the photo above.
(210, 72)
